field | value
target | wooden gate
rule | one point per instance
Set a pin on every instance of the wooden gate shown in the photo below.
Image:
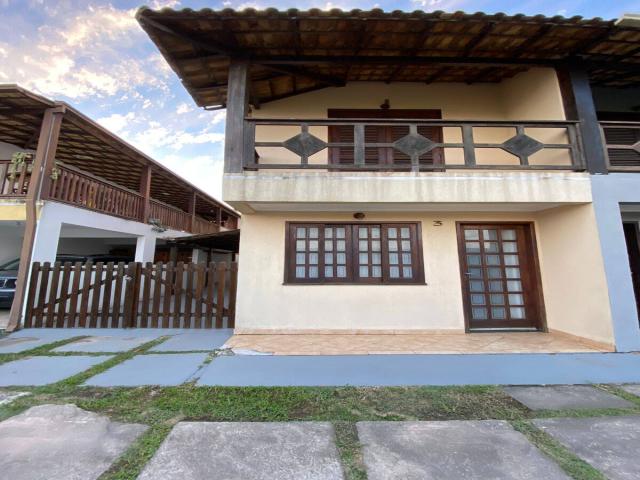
(151, 295)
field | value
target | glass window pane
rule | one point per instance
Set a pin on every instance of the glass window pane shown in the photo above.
(313, 245)
(508, 234)
(511, 259)
(509, 247)
(313, 272)
(313, 232)
(473, 247)
(393, 246)
(491, 247)
(407, 272)
(474, 272)
(406, 258)
(328, 272)
(497, 299)
(375, 245)
(376, 258)
(362, 232)
(476, 286)
(512, 272)
(473, 260)
(490, 234)
(300, 232)
(341, 245)
(363, 245)
(300, 272)
(516, 299)
(375, 232)
(313, 258)
(341, 271)
(300, 258)
(498, 313)
(479, 313)
(328, 246)
(328, 258)
(364, 271)
(364, 258)
(404, 232)
(341, 258)
(492, 259)
(394, 272)
(517, 312)
(301, 245)
(393, 258)
(495, 286)
(471, 235)
(406, 245)
(494, 272)
(376, 272)
(328, 232)
(514, 286)
(477, 299)
(392, 232)
(340, 232)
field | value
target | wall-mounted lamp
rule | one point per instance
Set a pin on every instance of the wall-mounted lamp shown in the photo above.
(359, 216)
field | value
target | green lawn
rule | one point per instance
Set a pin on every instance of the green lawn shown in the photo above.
(161, 408)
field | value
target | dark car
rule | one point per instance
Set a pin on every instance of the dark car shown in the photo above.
(9, 272)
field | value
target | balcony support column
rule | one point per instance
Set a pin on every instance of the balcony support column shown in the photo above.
(38, 188)
(579, 105)
(235, 147)
(192, 211)
(145, 191)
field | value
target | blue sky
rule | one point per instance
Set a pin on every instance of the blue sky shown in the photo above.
(94, 55)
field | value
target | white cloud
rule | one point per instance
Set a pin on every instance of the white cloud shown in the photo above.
(184, 108)
(204, 171)
(116, 122)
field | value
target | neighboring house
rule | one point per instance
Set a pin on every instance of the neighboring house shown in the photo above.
(422, 172)
(84, 191)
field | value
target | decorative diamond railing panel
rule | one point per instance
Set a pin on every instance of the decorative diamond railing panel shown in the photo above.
(414, 144)
(522, 145)
(304, 144)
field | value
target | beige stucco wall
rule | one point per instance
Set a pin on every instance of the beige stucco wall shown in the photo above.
(264, 303)
(574, 279)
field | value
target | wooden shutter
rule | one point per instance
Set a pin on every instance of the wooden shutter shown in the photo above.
(383, 134)
(622, 157)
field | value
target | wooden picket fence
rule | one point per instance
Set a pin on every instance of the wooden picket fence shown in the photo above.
(151, 295)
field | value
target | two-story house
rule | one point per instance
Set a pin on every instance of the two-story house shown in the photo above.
(70, 187)
(416, 172)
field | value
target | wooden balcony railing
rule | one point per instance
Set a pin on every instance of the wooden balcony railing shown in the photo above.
(14, 181)
(622, 142)
(83, 190)
(410, 145)
(169, 216)
(202, 226)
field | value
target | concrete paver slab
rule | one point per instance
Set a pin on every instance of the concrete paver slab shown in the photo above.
(8, 397)
(632, 389)
(195, 340)
(95, 344)
(389, 370)
(64, 442)
(152, 369)
(45, 370)
(247, 451)
(451, 450)
(558, 397)
(609, 444)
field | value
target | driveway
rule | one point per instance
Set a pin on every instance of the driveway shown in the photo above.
(4, 318)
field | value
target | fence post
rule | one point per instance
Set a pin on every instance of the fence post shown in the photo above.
(132, 290)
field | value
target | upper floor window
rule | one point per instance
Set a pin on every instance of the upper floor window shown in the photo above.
(383, 134)
(354, 253)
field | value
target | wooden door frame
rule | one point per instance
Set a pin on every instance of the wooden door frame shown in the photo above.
(535, 275)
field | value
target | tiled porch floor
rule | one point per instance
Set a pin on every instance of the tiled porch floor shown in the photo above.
(334, 344)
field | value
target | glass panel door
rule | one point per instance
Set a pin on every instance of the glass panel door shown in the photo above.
(498, 275)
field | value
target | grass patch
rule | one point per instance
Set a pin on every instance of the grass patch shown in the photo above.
(572, 465)
(39, 351)
(350, 451)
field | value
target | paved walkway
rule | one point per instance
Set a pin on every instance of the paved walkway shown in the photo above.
(4, 318)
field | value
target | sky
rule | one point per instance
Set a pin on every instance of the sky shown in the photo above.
(95, 56)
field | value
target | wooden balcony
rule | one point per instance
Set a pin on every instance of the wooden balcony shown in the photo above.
(82, 189)
(411, 145)
(622, 145)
